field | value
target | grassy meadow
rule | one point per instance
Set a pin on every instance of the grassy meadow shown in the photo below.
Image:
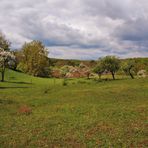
(83, 113)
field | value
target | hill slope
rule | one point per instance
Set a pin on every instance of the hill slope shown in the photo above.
(85, 113)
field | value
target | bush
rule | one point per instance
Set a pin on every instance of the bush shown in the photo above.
(142, 74)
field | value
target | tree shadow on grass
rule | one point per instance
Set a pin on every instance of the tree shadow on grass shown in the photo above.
(13, 87)
(19, 82)
(2, 101)
(106, 80)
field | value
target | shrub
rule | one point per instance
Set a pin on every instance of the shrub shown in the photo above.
(142, 74)
(64, 70)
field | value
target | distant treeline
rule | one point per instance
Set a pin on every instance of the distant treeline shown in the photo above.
(141, 63)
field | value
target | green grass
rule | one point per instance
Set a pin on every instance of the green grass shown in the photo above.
(84, 113)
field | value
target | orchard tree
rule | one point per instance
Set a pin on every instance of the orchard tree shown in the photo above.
(35, 59)
(128, 68)
(111, 64)
(6, 59)
(99, 69)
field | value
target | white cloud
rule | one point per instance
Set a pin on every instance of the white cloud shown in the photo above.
(81, 29)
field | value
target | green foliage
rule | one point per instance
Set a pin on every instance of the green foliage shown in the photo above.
(35, 60)
(139, 64)
(111, 64)
(4, 43)
(64, 70)
(18, 60)
(128, 68)
(99, 69)
(63, 62)
(22, 67)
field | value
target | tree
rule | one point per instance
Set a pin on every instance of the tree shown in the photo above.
(111, 64)
(35, 60)
(99, 69)
(18, 59)
(6, 58)
(4, 43)
(128, 67)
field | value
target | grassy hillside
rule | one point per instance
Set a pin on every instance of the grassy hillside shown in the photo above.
(85, 113)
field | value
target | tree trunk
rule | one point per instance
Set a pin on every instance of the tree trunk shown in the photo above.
(3, 74)
(113, 75)
(88, 76)
(131, 75)
(99, 76)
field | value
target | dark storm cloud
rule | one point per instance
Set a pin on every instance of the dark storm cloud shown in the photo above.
(134, 30)
(84, 29)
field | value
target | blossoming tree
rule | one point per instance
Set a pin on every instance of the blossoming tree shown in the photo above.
(6, 59)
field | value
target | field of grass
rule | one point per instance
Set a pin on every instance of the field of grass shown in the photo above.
(84, 113)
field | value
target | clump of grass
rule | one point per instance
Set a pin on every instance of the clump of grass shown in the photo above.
(47, 89)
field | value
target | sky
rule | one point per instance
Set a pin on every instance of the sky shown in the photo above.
(78, 29)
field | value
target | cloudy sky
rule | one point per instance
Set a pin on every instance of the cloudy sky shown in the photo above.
(78, 29)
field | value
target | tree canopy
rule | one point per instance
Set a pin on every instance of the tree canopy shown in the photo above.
(128, 68)
(99, 69)
(4, 43)
(111, 64)
(35, 60)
